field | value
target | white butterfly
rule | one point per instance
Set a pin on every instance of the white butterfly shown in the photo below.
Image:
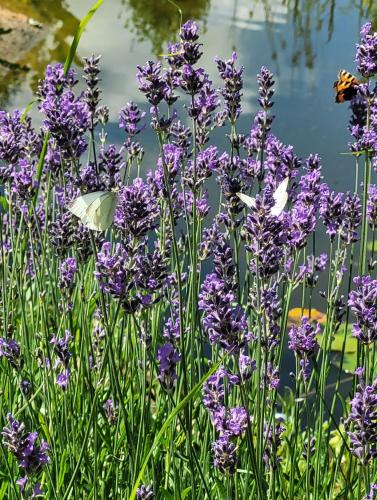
(95, 210)
(280, 197)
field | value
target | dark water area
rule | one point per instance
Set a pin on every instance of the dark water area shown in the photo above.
(304, 42)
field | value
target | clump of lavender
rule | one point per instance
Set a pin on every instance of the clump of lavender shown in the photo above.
(362, 421)
(31, 457)
(303, 342)
(362, 302)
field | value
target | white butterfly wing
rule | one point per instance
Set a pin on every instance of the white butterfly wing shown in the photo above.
(281, 197)
(248, 200)
(95, 210)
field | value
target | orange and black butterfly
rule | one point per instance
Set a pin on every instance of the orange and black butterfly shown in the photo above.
(345, 86)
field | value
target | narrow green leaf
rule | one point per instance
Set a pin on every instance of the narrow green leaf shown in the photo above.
(3, 204)
(79, 32)
(3, 489)
(62, 469)
(27, 109)
(185, 492)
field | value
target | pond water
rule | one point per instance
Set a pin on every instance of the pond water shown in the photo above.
(304, 42)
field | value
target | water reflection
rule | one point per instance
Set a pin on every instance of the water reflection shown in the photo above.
(158, 22)
(293, 32)
(309, 18)
(32, 33)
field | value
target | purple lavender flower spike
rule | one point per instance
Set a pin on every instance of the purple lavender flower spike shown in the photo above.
(214, 391)
(233, 84)
(272, 434)
(372, 495)
(225, 324)
(351, 214)
(68, 270)
(372, 206)
(67, 118)
(366, 51)
(10, 350)
(114, 271)
(265, 81)
(151, 83)
(361, 423)
(225, 457)
(144, 492)
(23, 181)
(92, 92)
(56, 81)
(362, 302)
(168, 357)
(63, 379)
(129, 119)
(303, 341)
(331, 211)
(137, 211)
(30, 456)
(110, 411)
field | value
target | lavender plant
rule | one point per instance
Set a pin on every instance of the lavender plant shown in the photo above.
(150, 356)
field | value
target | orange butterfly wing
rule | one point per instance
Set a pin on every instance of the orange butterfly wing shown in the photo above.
(345, 86)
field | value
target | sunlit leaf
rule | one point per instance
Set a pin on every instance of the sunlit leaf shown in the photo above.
(370, 246)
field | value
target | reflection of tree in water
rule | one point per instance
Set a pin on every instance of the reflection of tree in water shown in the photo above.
(58, 25)
(310, 17)
(158, 20)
